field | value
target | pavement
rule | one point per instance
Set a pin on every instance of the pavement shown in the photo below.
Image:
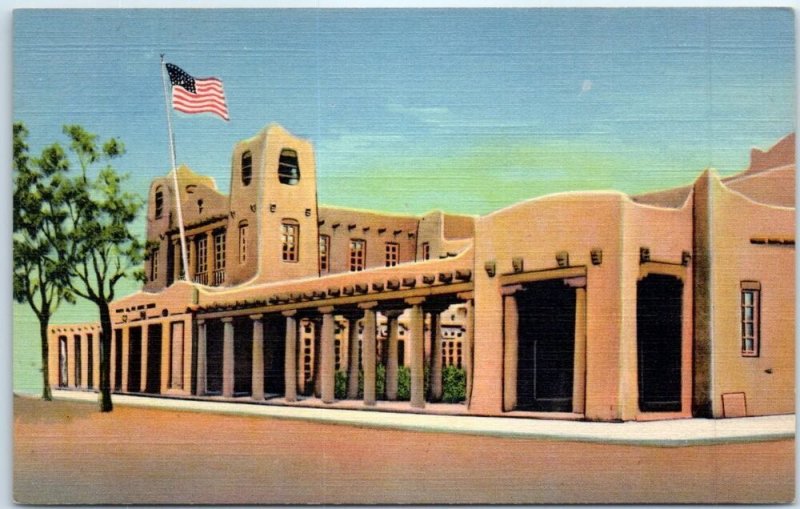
(668, 433)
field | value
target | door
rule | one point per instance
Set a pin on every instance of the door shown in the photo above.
(153, 382)
(546, 350)
(658, 339)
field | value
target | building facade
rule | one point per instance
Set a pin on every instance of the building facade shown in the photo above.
(580, 305)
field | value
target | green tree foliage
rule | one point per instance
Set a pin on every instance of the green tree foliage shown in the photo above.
(454, 384)
(40, 242)
(104, 251)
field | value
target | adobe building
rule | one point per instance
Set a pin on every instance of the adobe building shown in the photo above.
(579, 305)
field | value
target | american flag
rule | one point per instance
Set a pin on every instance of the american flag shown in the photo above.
(196, 95)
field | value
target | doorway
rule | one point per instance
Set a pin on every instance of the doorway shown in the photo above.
(659, 300)
(135, 359)
(153, 382)
(546, 351)
(242, 356)
(214, 347)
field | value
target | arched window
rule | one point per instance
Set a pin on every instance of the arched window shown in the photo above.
(159, 202)
(247, 168)
(288, 167)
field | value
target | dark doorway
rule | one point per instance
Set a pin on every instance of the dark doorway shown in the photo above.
(62, 361)
(214, 331)
(117, 359)
(90, 361)
(242, 356)
(546, 354)
(274, 355)
(78, 363)
(658, 340)
(153, 382)
(170, 264)
(135, 359)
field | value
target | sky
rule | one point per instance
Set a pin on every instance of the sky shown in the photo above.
(465, 110)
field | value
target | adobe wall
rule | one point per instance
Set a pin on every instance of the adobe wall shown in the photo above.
(666, 233)
(572, 222)
(376, 229)
(768, 379)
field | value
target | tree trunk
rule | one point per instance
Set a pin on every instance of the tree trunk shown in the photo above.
(47, 394)
(106, 333)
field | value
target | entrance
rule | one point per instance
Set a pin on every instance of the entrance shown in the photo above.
(135, 359)
(242, 356)
(153, 382)
(658, 341)
(117, 359)
(546, 351)
(214, 331)
(274, 355)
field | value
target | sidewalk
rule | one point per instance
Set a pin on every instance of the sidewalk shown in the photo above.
(670, 433)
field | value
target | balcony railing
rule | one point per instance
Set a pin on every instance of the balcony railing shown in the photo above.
(201, 277)
(219, 277)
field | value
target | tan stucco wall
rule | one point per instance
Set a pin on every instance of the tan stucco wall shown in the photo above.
(734, 221)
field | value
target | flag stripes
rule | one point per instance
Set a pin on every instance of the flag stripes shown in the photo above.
(197, 95)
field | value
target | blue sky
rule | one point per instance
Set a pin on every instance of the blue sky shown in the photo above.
(466, 110)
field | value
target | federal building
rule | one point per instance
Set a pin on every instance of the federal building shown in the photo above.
(580, 305)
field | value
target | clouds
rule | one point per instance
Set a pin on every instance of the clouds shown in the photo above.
(435, 115)
(586, 86)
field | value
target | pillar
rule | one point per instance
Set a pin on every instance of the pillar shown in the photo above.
(290, 357)
(436, 355)
(112, 359)
(258, 358)
(126, 348)
(510, 347)
(202, 357)
(227, 357)
(96, 358)
(353, 352)
(391, 357)
(317, 358)
(469, 332)
(327, 364)
(417, 361)
(368, 351)
(143, 364)
(579, 381)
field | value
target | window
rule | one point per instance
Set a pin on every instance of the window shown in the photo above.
(391, 254)
(247, 168)
(324, 248)
(426, 251)
(288, 168)
(199, 206)
(219, 258)
(201, 266)
(242, 241)
(154, 264)
(159, 201)
(289, 237)
(358, 251)
(751, 304)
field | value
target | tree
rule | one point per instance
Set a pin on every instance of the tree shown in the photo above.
(41, 271)
(103, 251)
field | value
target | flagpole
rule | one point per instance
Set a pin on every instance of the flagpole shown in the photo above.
(184, 256)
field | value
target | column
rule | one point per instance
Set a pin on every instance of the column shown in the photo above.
(353, 351)
(436, 355)
(510, 346)
(368, 351)
(96, 357)
(317, 358)
(112, 369)
(202, 358)
(469, 328)
(143, 364)
(391, 358)
(258, 358)
(579, 381)
(327, 364)
(126, 348)
(227, 357)
(417, 361)
(290, 357)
